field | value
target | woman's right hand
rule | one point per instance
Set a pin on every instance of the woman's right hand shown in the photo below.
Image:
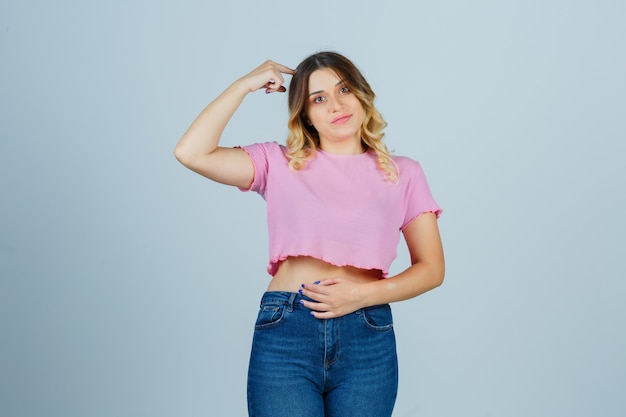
(268, 76)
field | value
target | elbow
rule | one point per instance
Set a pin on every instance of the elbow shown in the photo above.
(438, 274)
(439, 279)
(182, 156)
(179, 155)
(433, 272)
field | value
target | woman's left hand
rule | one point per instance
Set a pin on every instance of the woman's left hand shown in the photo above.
(333, 297)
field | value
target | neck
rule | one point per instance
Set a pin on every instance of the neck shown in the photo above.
(343, 148)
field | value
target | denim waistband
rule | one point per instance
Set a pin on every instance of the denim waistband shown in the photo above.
(291, 299)
(283, 297)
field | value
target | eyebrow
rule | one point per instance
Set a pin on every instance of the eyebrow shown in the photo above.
(321, 91)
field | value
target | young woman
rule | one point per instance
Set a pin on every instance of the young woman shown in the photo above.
(337, 204)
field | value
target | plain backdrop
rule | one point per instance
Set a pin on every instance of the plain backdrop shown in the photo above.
(129, 285)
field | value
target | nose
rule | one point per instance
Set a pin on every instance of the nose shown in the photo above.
(334, 103)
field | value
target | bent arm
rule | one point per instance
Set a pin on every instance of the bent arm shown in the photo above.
(427, 265)
(199, 149)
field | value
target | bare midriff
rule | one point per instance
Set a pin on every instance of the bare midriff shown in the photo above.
(297, 270)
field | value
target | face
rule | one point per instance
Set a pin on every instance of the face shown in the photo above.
(334, 112)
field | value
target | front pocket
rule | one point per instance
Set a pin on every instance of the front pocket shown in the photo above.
(378, 318)
(269, 316)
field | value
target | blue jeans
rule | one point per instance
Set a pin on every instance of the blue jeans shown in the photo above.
(306, 367)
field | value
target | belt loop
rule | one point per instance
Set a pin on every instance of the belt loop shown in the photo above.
(292, 298)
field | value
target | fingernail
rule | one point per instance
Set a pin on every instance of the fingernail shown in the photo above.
(301, 302)
(302, 285)
(311, 313)
(300, 291)
(316, 282)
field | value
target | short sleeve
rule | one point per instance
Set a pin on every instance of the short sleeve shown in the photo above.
(418, 198)
(259, 155)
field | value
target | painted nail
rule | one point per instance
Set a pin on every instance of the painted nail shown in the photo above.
(302, 285)
(316, 282)
(301, 302)
(300, 291)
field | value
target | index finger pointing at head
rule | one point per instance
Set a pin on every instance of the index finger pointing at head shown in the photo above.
(285, 70)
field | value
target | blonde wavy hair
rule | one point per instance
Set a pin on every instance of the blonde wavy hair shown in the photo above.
(303, 140)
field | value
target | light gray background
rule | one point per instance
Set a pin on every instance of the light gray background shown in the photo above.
(129, 285)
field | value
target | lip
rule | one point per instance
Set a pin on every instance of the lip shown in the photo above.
(341, 119)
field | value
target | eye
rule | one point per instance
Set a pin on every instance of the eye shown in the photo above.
(344, 90)
(319, 99)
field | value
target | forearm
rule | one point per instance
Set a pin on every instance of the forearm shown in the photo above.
(335, 297)
(427, 265)
(204, 134)
(415, 280)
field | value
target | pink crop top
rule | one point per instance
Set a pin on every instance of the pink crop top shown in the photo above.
(338, 208)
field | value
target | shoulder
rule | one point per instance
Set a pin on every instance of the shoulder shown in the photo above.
(406, 164)
(268, 149)
(267, 146)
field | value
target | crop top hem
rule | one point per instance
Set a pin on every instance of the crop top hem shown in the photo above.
(275, 261)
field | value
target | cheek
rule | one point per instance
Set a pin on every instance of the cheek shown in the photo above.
(313, 115)
(361, 111)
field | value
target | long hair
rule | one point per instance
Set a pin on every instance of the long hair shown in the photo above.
(303, 139)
